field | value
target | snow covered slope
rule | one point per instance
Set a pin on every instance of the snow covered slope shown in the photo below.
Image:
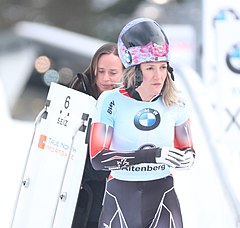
(207, 196)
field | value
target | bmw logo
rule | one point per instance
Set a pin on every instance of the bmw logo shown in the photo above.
(128, 57)
(233, 59)
(147, 119)
(226, 14)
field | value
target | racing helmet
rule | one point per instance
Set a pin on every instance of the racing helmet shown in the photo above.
(142, 40)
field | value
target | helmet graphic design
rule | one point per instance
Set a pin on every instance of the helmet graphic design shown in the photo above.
(142, 40)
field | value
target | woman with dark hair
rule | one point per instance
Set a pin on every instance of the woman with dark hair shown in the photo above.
(104, 62)
(102, 74)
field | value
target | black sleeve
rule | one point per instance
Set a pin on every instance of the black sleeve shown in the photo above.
(90, 174)
(110, 160)
(81, 83)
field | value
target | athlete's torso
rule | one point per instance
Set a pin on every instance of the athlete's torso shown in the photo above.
(136, 125)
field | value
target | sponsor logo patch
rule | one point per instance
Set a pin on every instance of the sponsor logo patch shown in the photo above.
(42, 141)
(147, 119)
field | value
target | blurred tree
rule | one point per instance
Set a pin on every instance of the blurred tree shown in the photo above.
(124, 7)
(91, 17)
(74, 15)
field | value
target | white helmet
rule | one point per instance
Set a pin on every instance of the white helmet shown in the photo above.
(142, 40)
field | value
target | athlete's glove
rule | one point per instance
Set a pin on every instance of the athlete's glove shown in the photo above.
(169, 156)
(189, 157)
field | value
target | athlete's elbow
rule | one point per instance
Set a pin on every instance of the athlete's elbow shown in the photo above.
(96, 164)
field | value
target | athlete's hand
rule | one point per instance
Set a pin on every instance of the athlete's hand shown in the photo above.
(187, 163)
(170, 156)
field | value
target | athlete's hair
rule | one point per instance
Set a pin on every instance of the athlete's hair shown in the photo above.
(91, 71)
(169, 90)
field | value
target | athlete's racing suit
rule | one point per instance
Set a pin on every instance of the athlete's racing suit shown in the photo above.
(125, 135)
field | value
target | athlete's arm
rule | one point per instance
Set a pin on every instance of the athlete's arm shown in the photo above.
(183, 141)
(104, 159)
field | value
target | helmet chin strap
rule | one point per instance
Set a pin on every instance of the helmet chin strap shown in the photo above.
(170, 70)
(139, 77)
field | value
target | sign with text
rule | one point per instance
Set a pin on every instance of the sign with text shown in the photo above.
(54, 167)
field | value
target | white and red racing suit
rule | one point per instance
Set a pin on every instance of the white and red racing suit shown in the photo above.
(125, 133)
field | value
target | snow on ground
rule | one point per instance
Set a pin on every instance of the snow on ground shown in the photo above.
(16, 138)
(204, 191)
(200, 192)
(203, 198)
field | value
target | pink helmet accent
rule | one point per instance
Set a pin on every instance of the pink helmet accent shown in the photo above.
(142, 40)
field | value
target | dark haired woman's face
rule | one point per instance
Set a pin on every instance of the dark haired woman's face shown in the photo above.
(109, 71)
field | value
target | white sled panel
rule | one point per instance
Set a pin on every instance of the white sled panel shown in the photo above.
(54, 167)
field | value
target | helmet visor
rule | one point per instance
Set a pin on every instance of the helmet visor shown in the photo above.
(142, 34)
